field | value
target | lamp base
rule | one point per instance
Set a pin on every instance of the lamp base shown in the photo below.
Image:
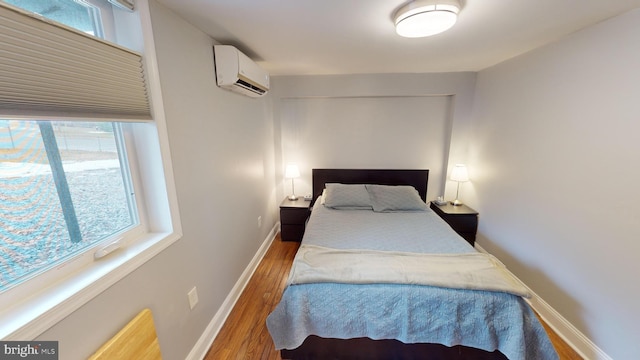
(292, 197)
(456, 202)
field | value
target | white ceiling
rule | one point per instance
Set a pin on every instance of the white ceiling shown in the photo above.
(294, 37)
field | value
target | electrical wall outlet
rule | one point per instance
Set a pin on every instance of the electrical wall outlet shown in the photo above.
(193, 297)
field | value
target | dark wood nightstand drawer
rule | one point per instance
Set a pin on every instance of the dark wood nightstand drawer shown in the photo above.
(293, 219)
(462, 219)
(293, 215)
(291, 232)
(463, 223)
(469, 236)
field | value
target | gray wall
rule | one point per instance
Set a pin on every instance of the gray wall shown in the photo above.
(554, 160)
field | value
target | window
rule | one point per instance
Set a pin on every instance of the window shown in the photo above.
(77, 14)
(76, 178)
(64, 186)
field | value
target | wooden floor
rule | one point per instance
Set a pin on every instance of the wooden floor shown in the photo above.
(244, 334)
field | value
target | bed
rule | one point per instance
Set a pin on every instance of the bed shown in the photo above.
(380, 276)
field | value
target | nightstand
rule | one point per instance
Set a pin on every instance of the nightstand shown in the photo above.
(293, 218)
(461, 218)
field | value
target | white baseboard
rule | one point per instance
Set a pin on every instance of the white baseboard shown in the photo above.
(206, 339)
(572, 336)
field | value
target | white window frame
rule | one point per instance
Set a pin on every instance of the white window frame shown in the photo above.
(28, 313)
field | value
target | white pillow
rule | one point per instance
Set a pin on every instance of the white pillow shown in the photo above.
(389, 198)
(346, 196)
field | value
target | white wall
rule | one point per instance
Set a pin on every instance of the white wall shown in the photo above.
(372, 121)
(555, 169)
(222, 151)
(367, 132)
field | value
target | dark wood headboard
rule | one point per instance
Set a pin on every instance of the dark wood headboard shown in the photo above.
(416, 178)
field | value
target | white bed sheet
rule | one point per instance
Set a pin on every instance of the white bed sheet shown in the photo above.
(409, 231)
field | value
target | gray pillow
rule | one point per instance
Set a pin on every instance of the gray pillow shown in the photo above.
(388, 198)
(346, 196)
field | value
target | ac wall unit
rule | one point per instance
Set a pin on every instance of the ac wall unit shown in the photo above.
(236, 72)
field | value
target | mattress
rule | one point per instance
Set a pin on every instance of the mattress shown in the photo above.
(488, 320)
(412, 231)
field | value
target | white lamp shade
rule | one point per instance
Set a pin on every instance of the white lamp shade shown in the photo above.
(291, 171)
(460, 173)
(426, 17)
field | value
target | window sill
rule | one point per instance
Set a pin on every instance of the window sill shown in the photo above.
(30, 318)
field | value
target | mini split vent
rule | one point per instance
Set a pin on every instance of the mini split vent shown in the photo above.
(237, 73)
(250, 87)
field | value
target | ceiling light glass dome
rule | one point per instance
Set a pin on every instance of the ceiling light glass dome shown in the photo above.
(422, 18)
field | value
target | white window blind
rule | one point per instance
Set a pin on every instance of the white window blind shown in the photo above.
(52, 71)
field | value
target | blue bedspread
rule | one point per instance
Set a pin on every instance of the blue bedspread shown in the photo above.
(409, 313)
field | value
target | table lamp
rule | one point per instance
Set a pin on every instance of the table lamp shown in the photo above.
(292, 172)
(459, 174)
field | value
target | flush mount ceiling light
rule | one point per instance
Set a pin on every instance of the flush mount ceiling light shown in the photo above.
(422, 18)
